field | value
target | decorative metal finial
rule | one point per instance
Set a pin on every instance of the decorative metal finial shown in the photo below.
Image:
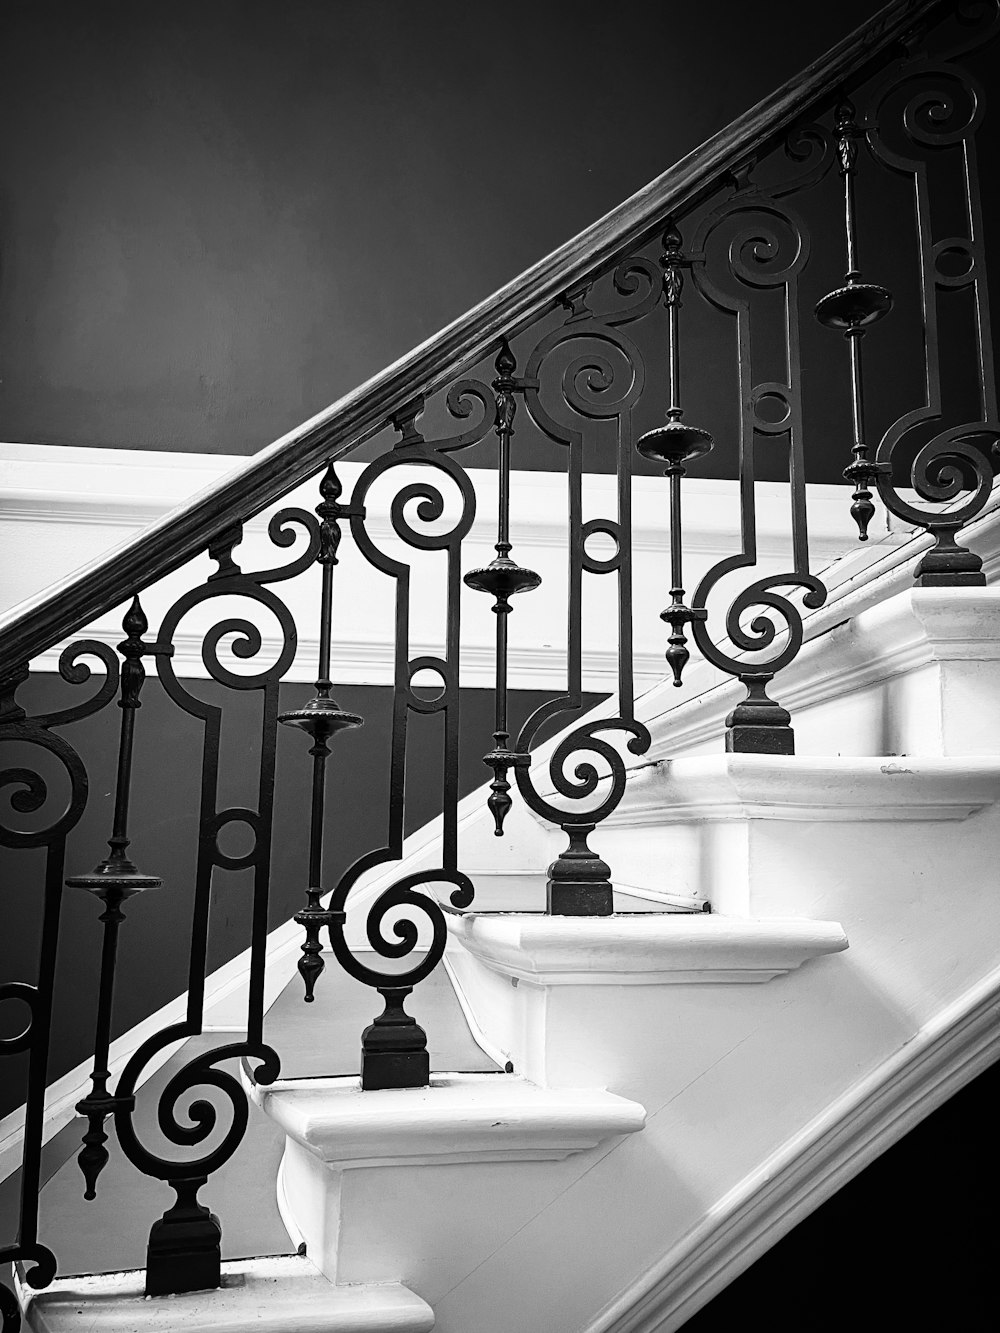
(675, 444)
(852, 309)
(113, 881)
(321, 718)
(502, 578)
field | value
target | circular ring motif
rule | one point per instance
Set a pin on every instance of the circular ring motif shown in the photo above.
(222, 820)
(439, 668)
(21, 993)
(607, 527)
(764, 395)
(954, 262)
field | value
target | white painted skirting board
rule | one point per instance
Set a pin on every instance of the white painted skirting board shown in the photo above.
(948, 1052)
(66, 505)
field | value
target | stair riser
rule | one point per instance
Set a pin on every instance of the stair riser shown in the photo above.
(379, 1184)
(945, 708)
(893, 879)
(425, 1221)
(749, 841)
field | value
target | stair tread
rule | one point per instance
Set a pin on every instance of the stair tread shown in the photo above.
(271, 1294)
(323, 1039)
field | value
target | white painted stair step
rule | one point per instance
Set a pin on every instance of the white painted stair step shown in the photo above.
(706, 826)
(576, 999)
(426, 1183)
(642, 950)
(460, 1118)
(784, 848)
(273, 1295)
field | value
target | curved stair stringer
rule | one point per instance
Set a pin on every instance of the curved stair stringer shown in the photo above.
(755, 1108)
(947, 1053)
(735, 1080)
(760, 1098)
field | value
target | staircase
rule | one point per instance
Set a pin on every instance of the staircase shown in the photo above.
(696, 953)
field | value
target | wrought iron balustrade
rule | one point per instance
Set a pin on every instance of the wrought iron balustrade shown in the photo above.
(700, 292)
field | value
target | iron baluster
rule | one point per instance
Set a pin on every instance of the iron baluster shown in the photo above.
(113, 882)
(501, 579)
(31, 793)
(675, 445)
(953, 469)
(184, 1248)
(394, 1047)
(768, 248)
(321, 718)
(853, 309)
(596, 385)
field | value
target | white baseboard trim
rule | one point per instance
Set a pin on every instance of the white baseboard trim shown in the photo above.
(75, 504)
(948, 1052)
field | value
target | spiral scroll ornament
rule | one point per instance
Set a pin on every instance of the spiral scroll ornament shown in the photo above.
(28, 792)
(394, 1046)
(926, 115)
(184, 1250)
(750, 244)
(602, 384)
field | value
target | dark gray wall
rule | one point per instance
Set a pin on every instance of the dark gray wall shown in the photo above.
(217, 217)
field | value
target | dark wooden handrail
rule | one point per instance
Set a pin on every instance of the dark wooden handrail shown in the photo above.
(59, 610)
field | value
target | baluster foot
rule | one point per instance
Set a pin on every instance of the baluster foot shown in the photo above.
(394, 1048)
(185, 1245)
(579, 881)
(758, 725)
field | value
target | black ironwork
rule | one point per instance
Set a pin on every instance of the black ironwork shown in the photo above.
(853, 308)
(747, 246)
(31, 795)
(113, 881)
(602, 384)
(321, 719)
(584, 387)
(394, 1047)
(675, 444)
(942, 106)
(501, 579)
